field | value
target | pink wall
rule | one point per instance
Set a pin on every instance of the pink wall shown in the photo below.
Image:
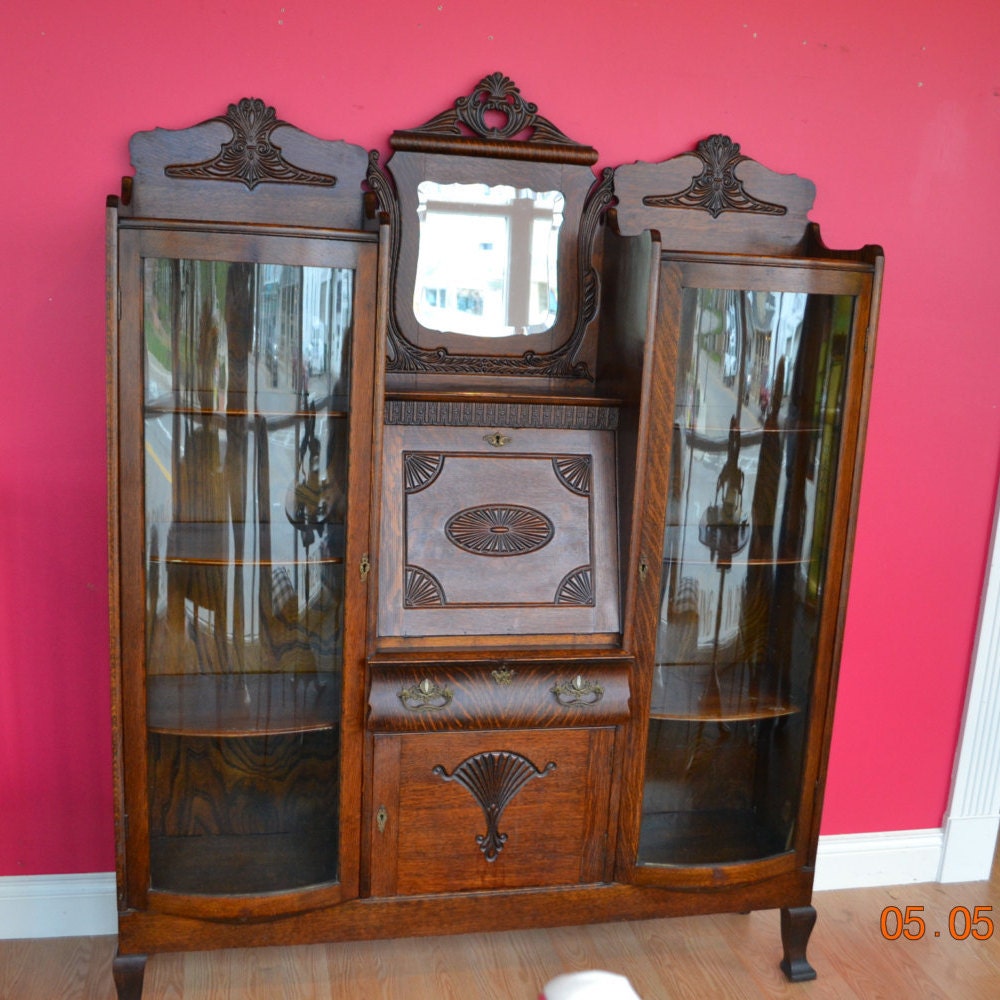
(891, 108)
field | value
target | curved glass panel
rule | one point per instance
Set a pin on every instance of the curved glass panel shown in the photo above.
(245, 436)
(757, 425)
(487, 259)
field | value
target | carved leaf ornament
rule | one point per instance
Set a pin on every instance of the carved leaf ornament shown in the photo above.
(716, 189)
(251, 157)
(496, 110)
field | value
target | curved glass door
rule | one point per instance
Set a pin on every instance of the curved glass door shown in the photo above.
(245, 438)
(757, 424)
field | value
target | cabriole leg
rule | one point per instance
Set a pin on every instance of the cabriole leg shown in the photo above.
(128, 971)
(796, 926)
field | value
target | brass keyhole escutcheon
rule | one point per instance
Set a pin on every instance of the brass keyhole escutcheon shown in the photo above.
(381, 818)
(643, 569)
(496, 439)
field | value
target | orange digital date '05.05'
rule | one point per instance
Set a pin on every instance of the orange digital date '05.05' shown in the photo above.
(963, 923)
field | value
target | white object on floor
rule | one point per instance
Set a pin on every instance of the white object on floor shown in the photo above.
(592, 985)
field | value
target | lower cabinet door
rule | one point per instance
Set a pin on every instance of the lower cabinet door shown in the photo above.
(455, 812)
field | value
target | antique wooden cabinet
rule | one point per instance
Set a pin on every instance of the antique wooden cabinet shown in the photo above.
(479, 527)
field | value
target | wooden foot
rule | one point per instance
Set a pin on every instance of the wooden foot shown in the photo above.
(796, 926)
(128, 971)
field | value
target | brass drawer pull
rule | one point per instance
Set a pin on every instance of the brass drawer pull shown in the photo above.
(502, 676)
(578, 692)
(425, 697)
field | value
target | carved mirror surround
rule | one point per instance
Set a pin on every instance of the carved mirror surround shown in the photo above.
(493, 214)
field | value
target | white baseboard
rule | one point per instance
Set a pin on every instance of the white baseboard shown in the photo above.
(969, 845)
(864, 860)
(39, 906)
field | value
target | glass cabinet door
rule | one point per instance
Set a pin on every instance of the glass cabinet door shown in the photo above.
(245, 407)
(759, 414)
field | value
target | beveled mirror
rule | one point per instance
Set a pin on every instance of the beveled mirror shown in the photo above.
(493, 213)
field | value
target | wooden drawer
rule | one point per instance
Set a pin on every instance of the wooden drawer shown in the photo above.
(465, 812)
(498, 694)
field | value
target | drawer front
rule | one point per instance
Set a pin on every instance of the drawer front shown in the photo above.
(465, 812)
(496, 694)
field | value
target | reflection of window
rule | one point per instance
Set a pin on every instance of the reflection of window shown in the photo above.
(487, 259)
(470, 301)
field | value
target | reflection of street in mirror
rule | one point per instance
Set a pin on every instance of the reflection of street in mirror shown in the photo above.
(487, 263)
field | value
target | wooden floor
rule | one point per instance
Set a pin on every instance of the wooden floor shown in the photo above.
(697, 958)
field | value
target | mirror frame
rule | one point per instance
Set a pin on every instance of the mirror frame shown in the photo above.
(492, 137)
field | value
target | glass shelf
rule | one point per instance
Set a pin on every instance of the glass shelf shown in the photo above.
(208, 543)
(235, 705)
(720, 693)
(271, 406)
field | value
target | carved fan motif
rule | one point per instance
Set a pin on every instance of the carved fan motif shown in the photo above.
(716, 189)
(573, 472)
(250, 157)
(420, 469)
(576, 588)
(421, 589)
(499, 530)
(493, 779)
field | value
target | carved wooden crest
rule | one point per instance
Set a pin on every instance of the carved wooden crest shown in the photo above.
(251, 157)
(496, 110)
(716, 189)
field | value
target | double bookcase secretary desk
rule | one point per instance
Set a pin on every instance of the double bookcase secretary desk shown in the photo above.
(480, 529)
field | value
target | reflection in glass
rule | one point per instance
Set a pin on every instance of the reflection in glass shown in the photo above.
(487, 263)
(246, 392)
(757, 426)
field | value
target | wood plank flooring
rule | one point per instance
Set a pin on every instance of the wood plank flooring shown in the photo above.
(696, 958)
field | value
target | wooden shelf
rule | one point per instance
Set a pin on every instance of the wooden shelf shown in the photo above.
(737, 561)
(272, 405)
(226, 865)
(690, 693)
(205, 543)
(236, 705)
(711, 837)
